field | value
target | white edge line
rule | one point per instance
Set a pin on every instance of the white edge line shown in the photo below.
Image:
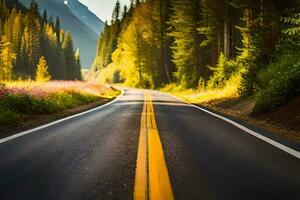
(58, 121)
(247, 130)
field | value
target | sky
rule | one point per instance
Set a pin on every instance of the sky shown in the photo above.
(103, 8)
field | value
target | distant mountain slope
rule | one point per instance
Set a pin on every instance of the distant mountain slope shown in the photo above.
(84, 37)
(86, 16)
(12, 3)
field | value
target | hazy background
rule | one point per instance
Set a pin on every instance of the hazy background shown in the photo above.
(103, 8)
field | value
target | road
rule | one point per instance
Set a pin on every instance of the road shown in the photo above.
(145, 145)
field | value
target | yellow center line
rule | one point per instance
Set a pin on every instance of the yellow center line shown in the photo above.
(151, 179)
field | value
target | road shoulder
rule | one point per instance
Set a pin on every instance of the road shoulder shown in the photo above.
(288, 138)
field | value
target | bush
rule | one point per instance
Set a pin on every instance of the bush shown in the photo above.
(71, 99)
(279, 83)
(26, 104)
(29, 105)
(9, 117)
(222, 72)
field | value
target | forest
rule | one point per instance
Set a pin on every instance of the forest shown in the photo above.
(251, 46)
(32, 44)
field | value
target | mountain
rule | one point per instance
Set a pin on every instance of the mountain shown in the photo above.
(15, 3)
(82, 12)
(84, 37)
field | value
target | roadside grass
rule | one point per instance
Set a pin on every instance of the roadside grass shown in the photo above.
(204, 95)
(20, 100)
(226, 100)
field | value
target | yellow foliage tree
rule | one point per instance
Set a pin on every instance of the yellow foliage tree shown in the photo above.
(7, 57)
(42, 74)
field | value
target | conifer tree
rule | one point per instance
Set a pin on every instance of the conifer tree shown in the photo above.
(42, 74)
(186, 41)
(7, 58)
(9, 25)
(116, 13)
(77, 65)
(73, 72)
(57, 30)
(17, 31)
(4, 12)
(45, 17)
(1, 28)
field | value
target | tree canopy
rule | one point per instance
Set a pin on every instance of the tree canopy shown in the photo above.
(211, 42)
(25, 36)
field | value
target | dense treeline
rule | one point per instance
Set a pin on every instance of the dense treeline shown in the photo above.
(26, 36)
(206, 43)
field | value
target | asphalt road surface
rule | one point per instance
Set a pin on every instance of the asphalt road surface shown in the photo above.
(95, 156)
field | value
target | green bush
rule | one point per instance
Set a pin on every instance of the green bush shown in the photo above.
(279, 83)
(222, 72)
(25, 104)
(9, 117)
(69, 100)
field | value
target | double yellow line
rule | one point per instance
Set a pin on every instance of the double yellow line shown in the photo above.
(151, 179)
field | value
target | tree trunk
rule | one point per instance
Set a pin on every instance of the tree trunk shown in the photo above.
(226, 39)
(162, 43)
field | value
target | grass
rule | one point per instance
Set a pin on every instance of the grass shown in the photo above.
(203, 95)
(20, 100)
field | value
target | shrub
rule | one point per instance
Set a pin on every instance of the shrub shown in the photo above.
(279, 83)
(26, 104)
(29, 105)
(67, 100)
(9, 117)
(222, 72)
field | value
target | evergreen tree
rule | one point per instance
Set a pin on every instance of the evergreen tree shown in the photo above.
(42, 74)
(17, 31)
(45, 17)
(186, 41)
(7, 57)
(4, 11)
(9, 25)
(116, 13)
(73, 72)
(57, 30)
(77, 65)
(1, 28)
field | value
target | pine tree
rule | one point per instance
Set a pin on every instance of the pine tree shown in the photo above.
(17, 31)
(116, 13)
(42, 74)
(1, 28)
(160, 17)
(7, 57)
(57, 30)
(73, 72)
(77, 65)
(51, 20)
(31, 44)
(45, 17)
(30, 47)
(9, 25)
(186, 41)
(4, 11)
